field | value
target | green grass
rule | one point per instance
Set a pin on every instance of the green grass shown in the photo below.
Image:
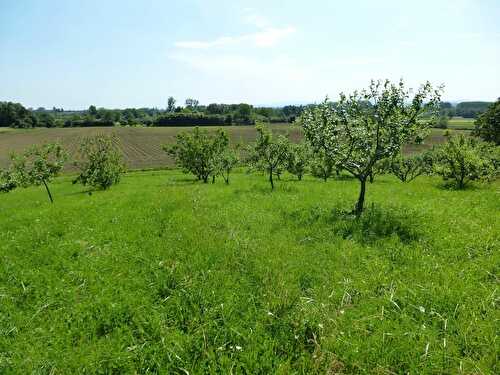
(161, 274)
(460, 123)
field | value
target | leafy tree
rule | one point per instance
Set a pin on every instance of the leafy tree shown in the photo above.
(358, 135)
(299, 156)
(243, 113)
(268, 154)
(192, 104)
(410, 167)
(171, 104)
(321, 165)
(37, 166)
(46, 120)
(225, 161)
(442, 122)
(16, 116)
(196, 151)
(464, 159)
(101, 165)
(92, 111)
(488, 124)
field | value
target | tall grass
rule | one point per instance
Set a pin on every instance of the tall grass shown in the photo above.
(165, 275)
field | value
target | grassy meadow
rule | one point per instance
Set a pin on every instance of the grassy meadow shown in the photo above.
(162, 274)
(461, 123)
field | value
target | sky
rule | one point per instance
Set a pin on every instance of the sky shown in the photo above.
(120, 53)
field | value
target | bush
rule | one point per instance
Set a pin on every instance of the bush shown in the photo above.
(196, 152)
(102, 164)
(192, 119)
(465, 159)
(410, 167)
(7, 181)
(268, 154)
(224, 162)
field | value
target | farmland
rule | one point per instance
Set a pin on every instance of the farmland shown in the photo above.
(162, 274)
(142, 147)
(461, 123)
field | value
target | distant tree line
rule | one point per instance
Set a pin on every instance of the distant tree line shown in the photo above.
(191, 114)
(464, 109)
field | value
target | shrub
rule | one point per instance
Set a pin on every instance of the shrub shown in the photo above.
(224, 162)
(7, 181)
(191, 119)
(410, 167)
(465, 159)
(268, 154)
(197, 151)
(442, 122)
(102, 163)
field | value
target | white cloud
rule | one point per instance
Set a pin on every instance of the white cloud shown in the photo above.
(266, 38)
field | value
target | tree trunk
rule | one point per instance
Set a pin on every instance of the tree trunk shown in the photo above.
(205, 179)
(213, 179)
(371, 178)
(48, 191)
(271, 179)
(461, 182)
(361, 200)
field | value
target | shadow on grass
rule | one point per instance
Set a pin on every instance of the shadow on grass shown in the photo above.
(449, 185)
(85, 191)
(375, 223)
(181, 181)
(265, 188)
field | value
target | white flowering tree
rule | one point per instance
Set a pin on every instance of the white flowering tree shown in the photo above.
(370, 125)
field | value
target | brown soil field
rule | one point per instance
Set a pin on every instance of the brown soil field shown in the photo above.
(142, 147)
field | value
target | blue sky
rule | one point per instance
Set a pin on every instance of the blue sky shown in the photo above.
(122, 53)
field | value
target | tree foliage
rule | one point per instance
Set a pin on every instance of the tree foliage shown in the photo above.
(101, 165)
(268, 154)
(16, 116)
(407, 168)
(488, 124)
(197, 151)
(464, 159)
(171, 104)
(36, 166)
(299, 156)
(321, 165)
(224, 162)
(357, 135)
(7, 181)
